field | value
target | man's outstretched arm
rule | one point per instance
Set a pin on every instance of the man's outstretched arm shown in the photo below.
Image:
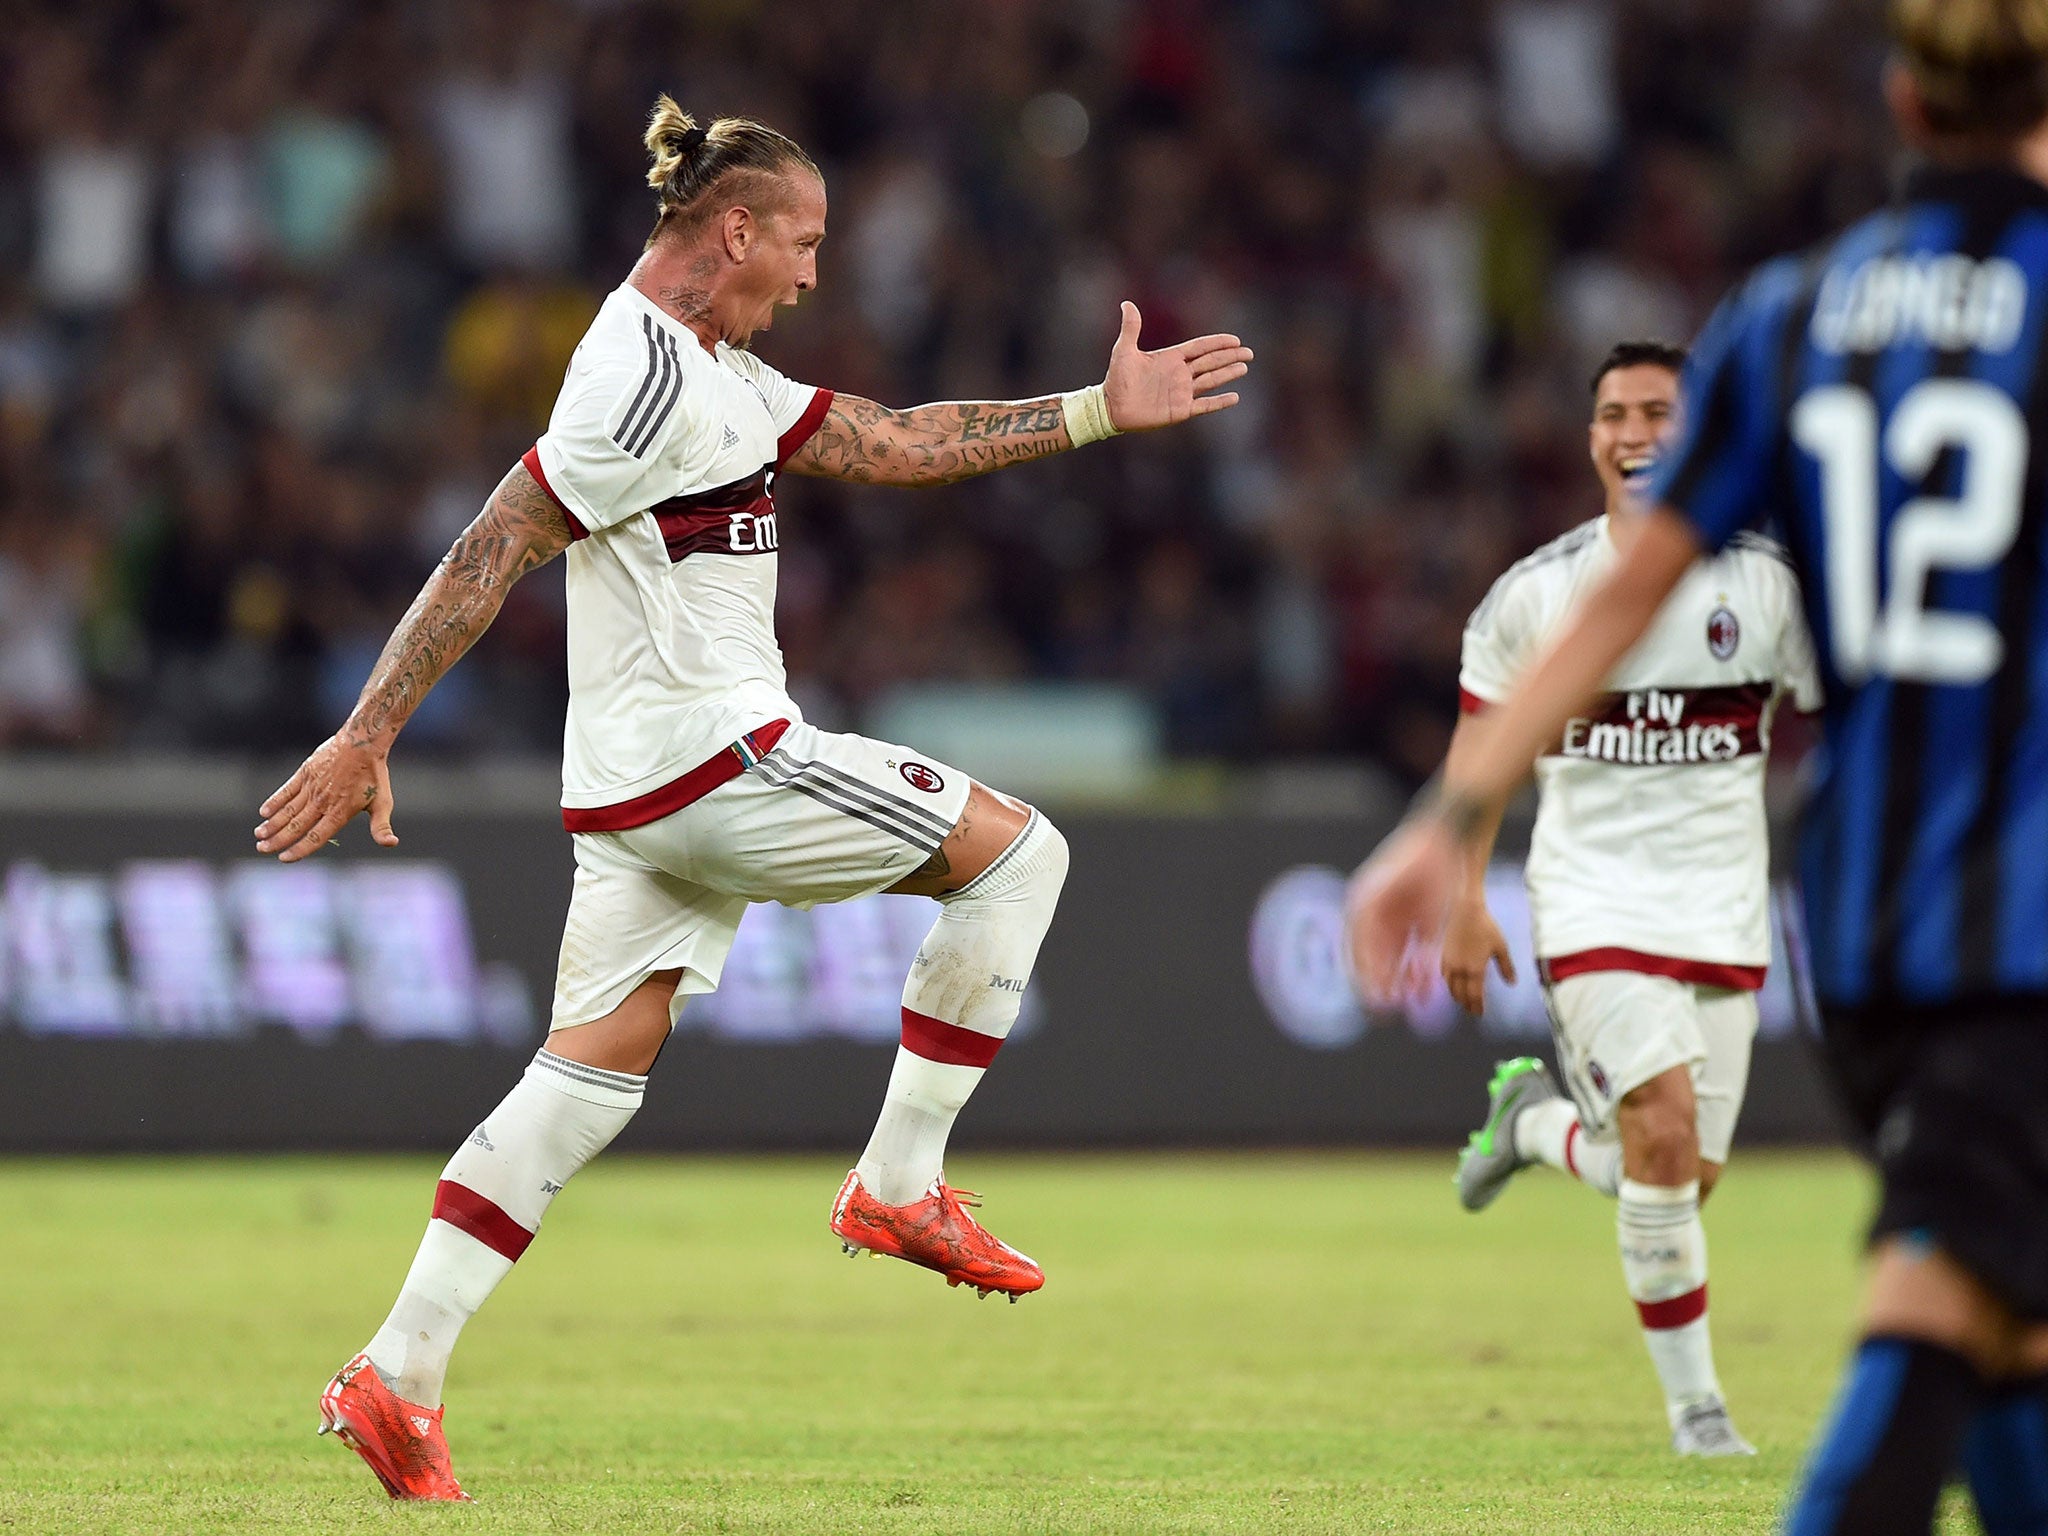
(956, 439)
(519, 528)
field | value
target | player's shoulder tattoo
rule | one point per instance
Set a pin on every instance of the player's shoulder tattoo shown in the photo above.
(519, 528)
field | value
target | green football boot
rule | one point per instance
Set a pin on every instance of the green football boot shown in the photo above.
(1489, 1159)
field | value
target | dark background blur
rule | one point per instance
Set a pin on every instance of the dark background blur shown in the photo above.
(285, 287)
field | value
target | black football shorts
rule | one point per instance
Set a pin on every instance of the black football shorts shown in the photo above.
(1953, 1104)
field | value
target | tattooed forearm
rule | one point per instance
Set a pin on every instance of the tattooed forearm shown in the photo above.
(929, 444)
(984, 423)
(520, 528)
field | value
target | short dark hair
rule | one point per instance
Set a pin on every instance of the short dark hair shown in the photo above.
(1634, 354)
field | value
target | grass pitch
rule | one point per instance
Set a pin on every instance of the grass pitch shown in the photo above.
(1225, 1343)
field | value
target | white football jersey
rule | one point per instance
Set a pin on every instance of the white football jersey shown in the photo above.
(1650, 850)
(664, 457)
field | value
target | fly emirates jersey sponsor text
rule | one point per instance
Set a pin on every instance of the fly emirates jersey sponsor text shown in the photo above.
(664, 457)
(1650, 850)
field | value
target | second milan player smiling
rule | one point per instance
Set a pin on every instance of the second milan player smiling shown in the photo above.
(1648, 882)
(690, 780)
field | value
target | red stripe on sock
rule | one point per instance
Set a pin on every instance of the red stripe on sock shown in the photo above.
(467, 1211)
(936, 1040)
(1676, 1312)
(1571, 1135)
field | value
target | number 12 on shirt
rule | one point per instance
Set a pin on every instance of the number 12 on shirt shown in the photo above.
(1972, 530)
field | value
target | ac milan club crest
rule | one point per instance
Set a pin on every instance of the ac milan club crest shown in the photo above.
(1599, 1078)
(917, 776)
(1723, 633)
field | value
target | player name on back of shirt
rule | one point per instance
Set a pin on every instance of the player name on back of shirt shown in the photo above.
(1656, 726)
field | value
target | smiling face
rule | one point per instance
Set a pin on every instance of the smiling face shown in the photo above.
(1635, 414)
(778, 261)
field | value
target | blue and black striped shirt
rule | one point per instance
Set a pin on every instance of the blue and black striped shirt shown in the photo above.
(1885, 400)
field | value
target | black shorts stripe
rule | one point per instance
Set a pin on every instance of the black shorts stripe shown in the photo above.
(1589, 1112)
(785, 773)
(909, 808)
(867, 794)
(827, 798)
(921, 833)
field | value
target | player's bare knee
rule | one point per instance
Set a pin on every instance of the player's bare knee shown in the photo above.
(1710, 1175)
(1032, 868)
(629, 1037)
(1660, 1143)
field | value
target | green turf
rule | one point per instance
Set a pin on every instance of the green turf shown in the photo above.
(1226, 1343)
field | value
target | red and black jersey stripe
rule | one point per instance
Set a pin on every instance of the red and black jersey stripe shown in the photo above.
(725, 520)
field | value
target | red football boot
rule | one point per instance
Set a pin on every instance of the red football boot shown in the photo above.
(936, 1232)
(401, 1441)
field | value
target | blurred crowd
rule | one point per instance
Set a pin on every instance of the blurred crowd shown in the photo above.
(286, 285)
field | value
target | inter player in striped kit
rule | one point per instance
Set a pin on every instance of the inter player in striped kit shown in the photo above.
(1649, 886)
(1888, 397)
(690, 780)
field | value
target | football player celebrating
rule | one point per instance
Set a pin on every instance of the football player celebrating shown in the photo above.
(691, 782)
(1882, 397)
(1648, 879)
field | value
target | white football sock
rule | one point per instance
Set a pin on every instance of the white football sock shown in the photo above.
(488, 1206)
(959, 1002)
(1664, 1261)
(1550, 1132)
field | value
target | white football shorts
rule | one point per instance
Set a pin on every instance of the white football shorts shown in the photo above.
(821, 818)
(1616, 1030)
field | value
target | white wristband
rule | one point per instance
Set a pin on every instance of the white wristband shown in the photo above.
(1087, 415)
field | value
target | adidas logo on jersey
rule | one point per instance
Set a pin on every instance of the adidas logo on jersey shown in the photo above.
(730, 439)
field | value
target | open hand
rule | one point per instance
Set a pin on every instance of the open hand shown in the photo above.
(340, 779)
(1398, 903)
(1156, 389)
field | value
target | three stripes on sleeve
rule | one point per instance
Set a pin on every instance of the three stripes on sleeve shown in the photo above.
(659, 390)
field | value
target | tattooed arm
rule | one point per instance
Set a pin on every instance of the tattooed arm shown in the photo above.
(519, 529)
(938, 444)
(928, 444)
